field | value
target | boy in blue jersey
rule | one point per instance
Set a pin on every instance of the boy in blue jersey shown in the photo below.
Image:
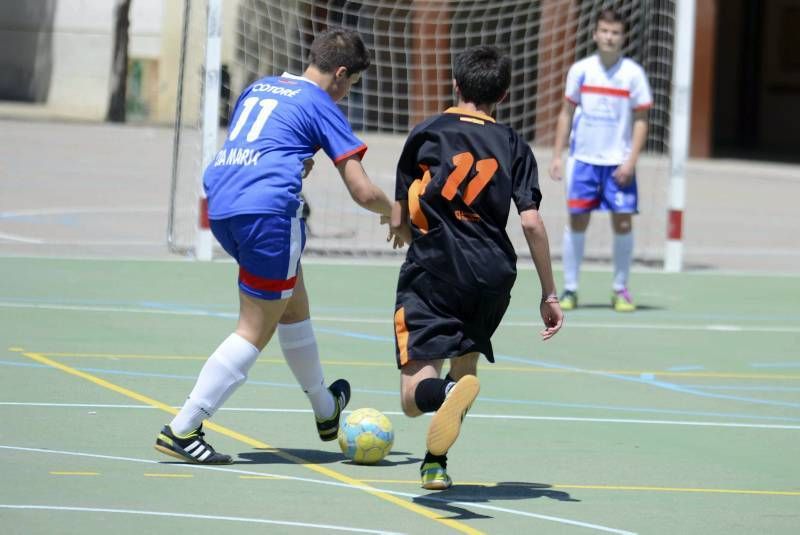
(255, 208)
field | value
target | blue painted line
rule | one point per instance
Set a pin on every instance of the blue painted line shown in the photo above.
(138, 374)
(687, 368)
(351, 334)
(394, 394)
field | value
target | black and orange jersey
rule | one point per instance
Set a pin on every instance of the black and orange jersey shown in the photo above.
(459, 172)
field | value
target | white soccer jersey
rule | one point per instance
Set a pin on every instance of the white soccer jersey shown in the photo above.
(606, 100)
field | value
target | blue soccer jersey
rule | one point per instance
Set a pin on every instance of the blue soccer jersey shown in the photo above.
(278, 122)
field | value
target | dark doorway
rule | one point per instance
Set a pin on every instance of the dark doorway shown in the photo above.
(26, 49)
(757, 94)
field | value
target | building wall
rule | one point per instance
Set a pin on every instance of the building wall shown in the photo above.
(55, 55)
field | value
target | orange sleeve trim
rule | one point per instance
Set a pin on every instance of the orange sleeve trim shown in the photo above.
(358, 150)
(643, 107)
(416, 189)
(401, 335)
(470, 113)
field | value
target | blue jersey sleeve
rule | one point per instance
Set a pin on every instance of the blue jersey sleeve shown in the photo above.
(335, 135)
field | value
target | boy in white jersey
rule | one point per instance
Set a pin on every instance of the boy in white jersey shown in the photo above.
(608, 133)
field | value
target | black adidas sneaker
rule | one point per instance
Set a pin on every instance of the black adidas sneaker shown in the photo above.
(329, 429)
(192, 448)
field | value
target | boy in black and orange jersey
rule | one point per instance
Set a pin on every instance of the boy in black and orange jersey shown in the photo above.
(456, 178)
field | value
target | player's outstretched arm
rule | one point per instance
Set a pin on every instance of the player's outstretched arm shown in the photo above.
(563, 125)
(369, 196)
(536, 236)
(361, 189)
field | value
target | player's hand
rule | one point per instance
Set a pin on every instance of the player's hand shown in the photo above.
(557, 169)
(400, 237)
(623, 175)
(308, 165)
(552, 316)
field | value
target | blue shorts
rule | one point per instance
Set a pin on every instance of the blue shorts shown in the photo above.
(267, 248)
(592, 187)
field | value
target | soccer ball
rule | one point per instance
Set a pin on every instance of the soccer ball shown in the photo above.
(366, 436)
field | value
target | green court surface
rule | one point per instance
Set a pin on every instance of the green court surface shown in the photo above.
(683, 417)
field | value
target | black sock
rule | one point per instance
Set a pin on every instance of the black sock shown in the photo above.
(430, 394)
(431, 458)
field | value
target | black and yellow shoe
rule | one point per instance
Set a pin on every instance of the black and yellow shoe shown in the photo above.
(568, 300)
(329, 429)
(433, 473)
(191, 448)
(446, 422)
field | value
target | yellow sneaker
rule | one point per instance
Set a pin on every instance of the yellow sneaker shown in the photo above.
(434, 477)
(568, 300)
(446, 422)
(622, 301)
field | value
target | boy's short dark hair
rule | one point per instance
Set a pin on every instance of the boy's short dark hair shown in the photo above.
(611, 16)
(337, 47)
(483, 74)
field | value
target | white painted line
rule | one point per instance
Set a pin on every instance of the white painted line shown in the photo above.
(636, 421)
(394, 263)
(690, 423)
(330, 483)
(21, 239)
(190, 515)
(10, 214)
(388, 321)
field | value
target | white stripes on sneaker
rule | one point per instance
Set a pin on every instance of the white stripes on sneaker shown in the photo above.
(201, 452)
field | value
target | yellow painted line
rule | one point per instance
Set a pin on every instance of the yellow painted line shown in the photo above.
(74, 473)
(680, 489)
(459, 526)
(269, 360)
(606, 487)
(168, 475)
(494, 367)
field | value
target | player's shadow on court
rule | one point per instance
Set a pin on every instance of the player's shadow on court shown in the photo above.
(506, 490)
(304, 456)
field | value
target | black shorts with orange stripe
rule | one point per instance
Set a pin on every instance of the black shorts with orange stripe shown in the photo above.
(434, 320)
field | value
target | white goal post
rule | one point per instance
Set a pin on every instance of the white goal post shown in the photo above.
(413, 44)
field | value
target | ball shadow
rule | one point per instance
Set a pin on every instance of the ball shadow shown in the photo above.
(308, 456)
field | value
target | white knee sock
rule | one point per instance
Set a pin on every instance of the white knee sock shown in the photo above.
(572, 251)
(623, 255)
(224, 371)
(299, 348)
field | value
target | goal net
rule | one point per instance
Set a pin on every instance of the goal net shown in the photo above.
(413, 45)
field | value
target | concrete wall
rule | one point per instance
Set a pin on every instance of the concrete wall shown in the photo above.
(55, 55)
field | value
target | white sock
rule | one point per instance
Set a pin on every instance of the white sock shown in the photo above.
(299, 348)
(224, 371)
(623, 255)
(572, 251)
